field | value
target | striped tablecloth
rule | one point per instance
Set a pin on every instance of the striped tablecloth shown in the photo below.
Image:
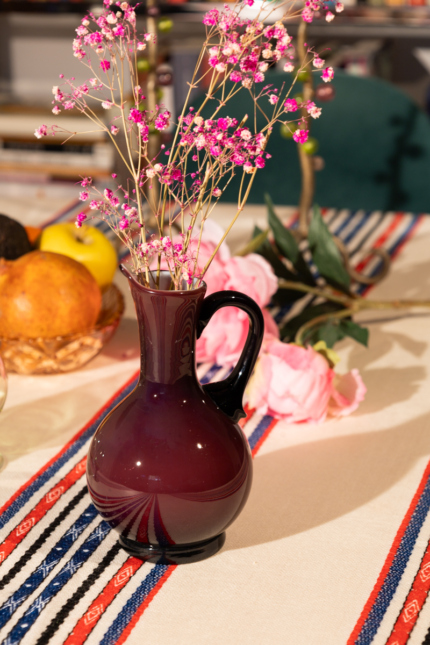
(332, 547)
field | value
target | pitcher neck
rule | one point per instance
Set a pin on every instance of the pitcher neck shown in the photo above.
(167, 323)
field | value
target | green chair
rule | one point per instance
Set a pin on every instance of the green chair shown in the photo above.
(374, 140)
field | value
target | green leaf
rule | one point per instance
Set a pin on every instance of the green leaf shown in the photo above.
(355, 331)
(287, 245)
(252, 246)
(325, 253)
(283, 238)
(290, 329)
(265, 249)
(330, 332)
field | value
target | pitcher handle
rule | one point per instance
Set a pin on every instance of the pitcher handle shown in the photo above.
(228, 394)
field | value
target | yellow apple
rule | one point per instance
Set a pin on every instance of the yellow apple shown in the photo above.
(44, 295)
(87, 245)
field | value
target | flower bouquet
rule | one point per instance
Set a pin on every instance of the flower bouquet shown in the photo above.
(169, 229)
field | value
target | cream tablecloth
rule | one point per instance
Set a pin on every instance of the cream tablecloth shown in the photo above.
(301, 562)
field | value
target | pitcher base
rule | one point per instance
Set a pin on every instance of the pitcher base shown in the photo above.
(173, 554)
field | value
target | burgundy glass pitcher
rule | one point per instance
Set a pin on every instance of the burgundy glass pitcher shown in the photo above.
(169, 468)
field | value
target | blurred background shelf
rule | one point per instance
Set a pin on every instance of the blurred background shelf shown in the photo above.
(389, 41)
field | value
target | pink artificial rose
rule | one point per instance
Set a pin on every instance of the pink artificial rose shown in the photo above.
(291, 382)
(252, 275)
(297, 384)
(224, 337)
(348, 391)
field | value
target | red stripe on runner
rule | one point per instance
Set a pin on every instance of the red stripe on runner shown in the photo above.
(68, 444)
(400, 246)
(413, 603)
(39, 511)
(398, 218)
(263, 437)
(125, 634)
(249, 412)
(95, 611)
(388, 562)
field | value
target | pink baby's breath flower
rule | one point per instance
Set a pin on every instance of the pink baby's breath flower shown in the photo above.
(245, 134)
(83, 196)
(150, 172)
(248, 167)
(80, 219)
(329, 16)
(105, 65)
(106, 105)
(141, 46)
(313, 110)
(135, 115)
(94, 204)
(216, 192)
(259, 162)
(41, 132)
(288, 67)
(236, 77)
(56, 109)
(307, 14)
(250, 3)
(211, 18)
(68, 105)
(259, 77)
(328, 74)
(86, 181)
(162, 121)
(114, 130)
(318, 62)
(301, 136)
(290, 105)
(118, 31)
(339, 7)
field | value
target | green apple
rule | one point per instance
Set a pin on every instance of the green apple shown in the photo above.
(165, 25)
(87, 245)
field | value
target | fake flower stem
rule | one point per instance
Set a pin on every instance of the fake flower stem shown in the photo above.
(353, 304)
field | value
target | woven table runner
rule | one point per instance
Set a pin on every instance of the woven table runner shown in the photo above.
(63, 576)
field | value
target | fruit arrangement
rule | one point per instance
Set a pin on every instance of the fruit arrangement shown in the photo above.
(58, 306)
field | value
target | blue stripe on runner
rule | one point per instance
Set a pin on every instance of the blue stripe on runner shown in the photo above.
(132, 605)
(210, 374)
(43, 570)
(391, 250)
(361, 220)
(344, 224)
(354, 249)
(44, 477)
(259, 431)
(397, 568)
(57, 583)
